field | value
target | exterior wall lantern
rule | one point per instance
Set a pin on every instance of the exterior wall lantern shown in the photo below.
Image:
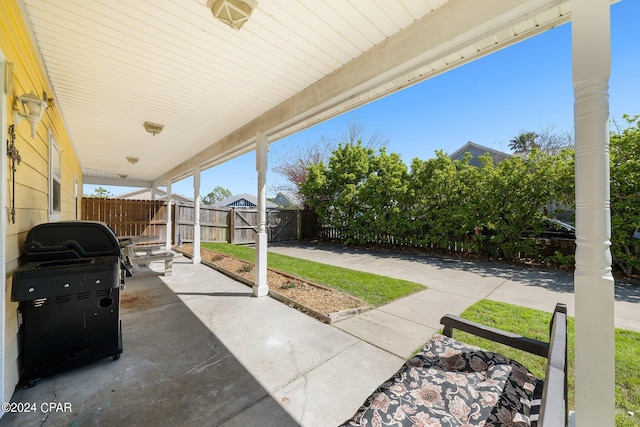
(31, 107)
(234, 13)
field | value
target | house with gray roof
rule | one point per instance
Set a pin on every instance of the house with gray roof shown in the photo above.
(288, 201)
(145, 194)
(477, 150)
(244, 200)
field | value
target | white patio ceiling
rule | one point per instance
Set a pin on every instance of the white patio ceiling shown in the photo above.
(114, 64)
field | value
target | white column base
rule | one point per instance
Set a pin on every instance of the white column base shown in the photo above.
(595, 348)
(261, 289)
(196, 258)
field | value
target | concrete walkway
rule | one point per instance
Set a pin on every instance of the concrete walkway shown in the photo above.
(452, 286)
(198, 350)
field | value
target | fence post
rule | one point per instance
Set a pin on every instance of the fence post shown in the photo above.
(232, 226)
(174, 222)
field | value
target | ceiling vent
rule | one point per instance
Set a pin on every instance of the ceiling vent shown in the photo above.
(234, 13)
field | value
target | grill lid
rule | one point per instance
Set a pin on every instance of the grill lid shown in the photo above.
(58, 239)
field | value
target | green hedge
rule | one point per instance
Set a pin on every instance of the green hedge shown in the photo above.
(368, 196)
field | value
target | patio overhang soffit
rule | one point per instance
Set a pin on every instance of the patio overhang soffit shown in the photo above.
(112, 67)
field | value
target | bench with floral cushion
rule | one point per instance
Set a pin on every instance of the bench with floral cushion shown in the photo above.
(449, 383)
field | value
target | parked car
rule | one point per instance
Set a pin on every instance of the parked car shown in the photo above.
(551, 229)
(555, 229)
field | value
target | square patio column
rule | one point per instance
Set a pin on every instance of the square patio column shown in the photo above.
(260, 288)
(196, 215)
(169, 230)
(594, 284)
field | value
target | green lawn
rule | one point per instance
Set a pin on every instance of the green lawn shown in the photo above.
(535, 324)
(375, 290)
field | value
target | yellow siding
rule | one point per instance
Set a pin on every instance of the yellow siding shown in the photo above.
(31, 181)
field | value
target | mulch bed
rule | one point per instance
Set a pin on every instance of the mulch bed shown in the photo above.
(306, 296)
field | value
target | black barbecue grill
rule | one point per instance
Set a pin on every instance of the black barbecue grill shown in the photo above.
(69, 297)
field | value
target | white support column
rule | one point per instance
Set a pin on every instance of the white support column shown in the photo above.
(260, 287)
(594, 285)
(153, 193)
(196, 222)
(169, 230)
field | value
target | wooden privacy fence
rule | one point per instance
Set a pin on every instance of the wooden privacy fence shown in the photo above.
(214, 223)
(128, 217)
(149, 218)
(234, 225)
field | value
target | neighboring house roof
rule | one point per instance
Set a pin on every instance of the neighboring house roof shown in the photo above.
(243, 200)
(288, 200)
(477, 150)
(145, 194)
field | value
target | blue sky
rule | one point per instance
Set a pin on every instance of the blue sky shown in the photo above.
(489, 101)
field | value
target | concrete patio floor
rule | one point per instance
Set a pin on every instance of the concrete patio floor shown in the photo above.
(199, 350)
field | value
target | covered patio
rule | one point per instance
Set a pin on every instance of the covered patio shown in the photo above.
(199, 350)
(209, 90)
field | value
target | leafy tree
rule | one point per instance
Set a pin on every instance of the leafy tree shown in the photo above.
(442, 189)
(524, 142)
(294, 165)
(440, 202)
(101, 192)
(515, 193)
(419, 200)
(384, 191)
(625, 194)
(218, 193)
(548, 140)
(487, 209)
(334, 190)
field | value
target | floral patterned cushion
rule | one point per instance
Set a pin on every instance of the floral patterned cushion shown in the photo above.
(451, 384)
